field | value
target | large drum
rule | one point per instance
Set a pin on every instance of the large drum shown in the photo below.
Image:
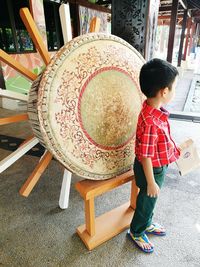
(84, 106)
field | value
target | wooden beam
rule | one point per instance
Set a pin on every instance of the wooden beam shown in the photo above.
(13, 95)
(189, 23)
(90, 5)
(101, 2)
(189, 13)
(65, 19)
(168, 8)
(65, 190)
(180, 21)
(9, 160)
(34, 33)
(12, 119)
(180, 52)
(165, 8)
(16, 65)
(191, 37)
(168, 17)
(36, 174)
(27, 140)
(90, 189)
(90, 216)
(95, 231)
(172, 30)
(108, 225)
(184, 3)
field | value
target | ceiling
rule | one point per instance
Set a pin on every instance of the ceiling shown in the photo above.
(193, 7)
(166, 6)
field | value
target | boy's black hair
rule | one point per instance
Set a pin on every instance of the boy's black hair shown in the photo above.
(155, 75)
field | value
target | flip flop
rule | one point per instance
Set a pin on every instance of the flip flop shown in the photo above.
(155, 229)
(142, 239)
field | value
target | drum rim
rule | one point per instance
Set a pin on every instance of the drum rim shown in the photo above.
(48, 77)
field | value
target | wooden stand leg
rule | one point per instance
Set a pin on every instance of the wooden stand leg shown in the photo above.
(35, 175)
(107, 226)
(14, 95)
(90, 216)
(134, 193)
(65, 19)
(27, 140)
(65, 190)
(13, 119)
(97, 230)
(9, 160)
(34, 33)
(16, 65)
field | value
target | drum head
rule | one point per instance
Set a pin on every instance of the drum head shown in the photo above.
(88, 103)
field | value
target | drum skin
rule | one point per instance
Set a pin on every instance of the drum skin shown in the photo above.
(84, 107)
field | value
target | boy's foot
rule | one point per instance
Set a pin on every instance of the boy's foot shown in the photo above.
(142, 242)
(156, 229)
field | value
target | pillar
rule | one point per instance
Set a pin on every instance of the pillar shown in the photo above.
(136, 22)
(192, 36)
(180, 52)
(189, 23)
(172, 30)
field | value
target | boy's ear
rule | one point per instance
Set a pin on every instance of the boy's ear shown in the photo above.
(164, 91)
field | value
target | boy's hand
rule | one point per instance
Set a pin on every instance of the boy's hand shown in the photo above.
(185, 145)
(153, 190)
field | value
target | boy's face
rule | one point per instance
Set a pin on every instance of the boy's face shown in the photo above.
(168, 94)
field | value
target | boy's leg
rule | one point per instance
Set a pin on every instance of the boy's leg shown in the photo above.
(145, 205)
(143, 214)
(159, 175)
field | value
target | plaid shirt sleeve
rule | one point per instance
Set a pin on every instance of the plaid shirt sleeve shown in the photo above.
(148, 141)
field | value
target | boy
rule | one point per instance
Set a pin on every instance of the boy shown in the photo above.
(154, 148)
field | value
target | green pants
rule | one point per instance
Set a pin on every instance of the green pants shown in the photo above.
(142, 217)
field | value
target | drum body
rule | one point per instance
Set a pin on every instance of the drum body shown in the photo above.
(84, 106)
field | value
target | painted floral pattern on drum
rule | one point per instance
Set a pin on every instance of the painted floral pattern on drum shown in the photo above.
(87, 157)
(67, 118)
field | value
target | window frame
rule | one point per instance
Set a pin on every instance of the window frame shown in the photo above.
(58, 30)
(14, 31)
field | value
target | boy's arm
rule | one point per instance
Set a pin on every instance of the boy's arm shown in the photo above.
(153, 189)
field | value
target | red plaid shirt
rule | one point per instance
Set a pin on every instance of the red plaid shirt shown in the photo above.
(153, 138)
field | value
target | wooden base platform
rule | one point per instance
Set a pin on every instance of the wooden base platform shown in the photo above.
(95, 231)
(107, 226)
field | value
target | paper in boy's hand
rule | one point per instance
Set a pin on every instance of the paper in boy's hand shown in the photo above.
(189, 159)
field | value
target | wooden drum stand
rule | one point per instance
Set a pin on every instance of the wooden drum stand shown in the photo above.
(95, 231)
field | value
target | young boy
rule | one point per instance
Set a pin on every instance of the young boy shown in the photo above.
(154, 148)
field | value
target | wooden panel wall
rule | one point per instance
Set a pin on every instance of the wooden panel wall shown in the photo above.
(131, 21)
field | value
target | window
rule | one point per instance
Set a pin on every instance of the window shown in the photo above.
(14, 37)
(53, 26)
